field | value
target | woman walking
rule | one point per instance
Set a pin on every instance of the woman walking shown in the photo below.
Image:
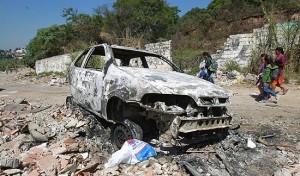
(280, 62)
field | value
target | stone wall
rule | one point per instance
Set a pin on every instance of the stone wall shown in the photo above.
(60, 63)
(239, 47)
(56, 64)
(163, 48)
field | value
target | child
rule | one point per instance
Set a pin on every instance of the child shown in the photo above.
(203, 72)
(266, 79)
(260, 74)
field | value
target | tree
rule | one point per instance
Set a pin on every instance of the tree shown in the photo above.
(48, 42)
(84, 29)
(143, 19)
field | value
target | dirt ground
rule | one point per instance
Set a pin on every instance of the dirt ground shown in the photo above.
(281, 121)
(257, 118)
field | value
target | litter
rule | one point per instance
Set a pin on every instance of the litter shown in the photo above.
(250, 143)
(132, 152)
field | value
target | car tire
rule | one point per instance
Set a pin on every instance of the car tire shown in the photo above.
(119, 134)
(70, 103)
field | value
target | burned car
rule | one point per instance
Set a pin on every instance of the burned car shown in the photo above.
(143, 92)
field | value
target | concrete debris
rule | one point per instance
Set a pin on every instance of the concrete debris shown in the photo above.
(56, 82)
(28, 146)
(234, 77)
(282, 172)
(9, 163)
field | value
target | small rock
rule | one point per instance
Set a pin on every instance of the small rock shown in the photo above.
(166, 165)
(156, 166)
(48, 164)
(110, 170)
(37, 136)
(143, 164)
(158, 171)
(152, 160)
(177, 174)
(89, 168)
(10, 163)
(34, 173)
(174, 167)
(162, 160)
(58, 150)
(128, 169)
(72, 123)
(282, 172)
(12, 171)
(80, 124)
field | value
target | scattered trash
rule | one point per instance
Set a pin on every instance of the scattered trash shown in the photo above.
(250, 143)
(132, 152)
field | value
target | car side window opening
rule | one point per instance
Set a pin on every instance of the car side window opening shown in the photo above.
(79, 61)
(144, 62)
(96, 60)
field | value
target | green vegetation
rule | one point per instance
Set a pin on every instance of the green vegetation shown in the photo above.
(233, 65)
(51, 73)
(137, 22)
(8, 64)
(188, 60)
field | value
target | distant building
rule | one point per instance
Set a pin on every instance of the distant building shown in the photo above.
(20, 53)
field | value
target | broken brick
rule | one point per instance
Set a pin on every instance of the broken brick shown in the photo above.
(48, 164)
(34, 173)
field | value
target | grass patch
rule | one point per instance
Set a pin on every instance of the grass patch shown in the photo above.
(52, 73)
(233, 65)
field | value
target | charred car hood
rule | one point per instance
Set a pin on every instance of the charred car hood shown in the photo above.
(171, 82)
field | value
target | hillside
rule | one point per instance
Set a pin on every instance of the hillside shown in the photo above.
(207, 29)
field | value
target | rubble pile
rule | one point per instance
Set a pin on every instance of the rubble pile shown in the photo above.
(235, 155)
(37, 139)
(234, 77)
(25, 77)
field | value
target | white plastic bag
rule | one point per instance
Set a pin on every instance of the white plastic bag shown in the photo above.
(132, 152)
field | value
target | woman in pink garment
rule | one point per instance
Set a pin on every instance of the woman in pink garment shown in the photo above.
(280, 62)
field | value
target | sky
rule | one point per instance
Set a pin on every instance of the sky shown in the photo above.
(20, 19)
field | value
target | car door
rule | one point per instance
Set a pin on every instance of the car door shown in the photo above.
(92, 79)
(76, 77)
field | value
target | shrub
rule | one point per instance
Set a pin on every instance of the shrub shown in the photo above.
(10, 64)
(232, 65)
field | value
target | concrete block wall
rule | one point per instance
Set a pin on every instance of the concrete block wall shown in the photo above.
(163, 48)
(60, 63)
(239, 47)
(56, 64)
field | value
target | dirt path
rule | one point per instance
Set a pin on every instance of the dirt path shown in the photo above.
(282, 119)
(17, 85)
